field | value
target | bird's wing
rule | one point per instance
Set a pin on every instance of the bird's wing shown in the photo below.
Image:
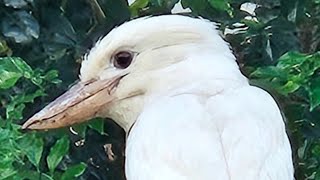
(252, 135)
(236, 135)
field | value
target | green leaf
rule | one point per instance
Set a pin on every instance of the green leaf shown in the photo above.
(80, 129)
(9, 152)
(291, 59)
(57, 152)
(30, 97)
(51, 75)
(74, 171)
(11, 70)
(268, 72)
(137, 5)
(23, 67)
(14, 112)
(316, 150)
(8, 79)
(7, 173)
(14, 109)
(311, 65)
(98, 125)
(314, 93)
(289, 87)
(317, 176)
(222, 5)
(37, 81)
(28, 174)
(32, 146)
(4, 49)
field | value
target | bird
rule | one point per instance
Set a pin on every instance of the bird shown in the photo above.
(173, 84)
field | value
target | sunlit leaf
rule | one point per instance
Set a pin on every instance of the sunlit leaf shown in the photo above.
(11, 70)
(289, 87)
(37, 81)
(8, 79)
(291, 59)
(136, 5)
(22, 66)
(32, 146)
(311, 65)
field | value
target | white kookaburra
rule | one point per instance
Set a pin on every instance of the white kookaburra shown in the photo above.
(172, 83)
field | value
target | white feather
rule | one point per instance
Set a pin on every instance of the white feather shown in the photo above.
(238, 134)
(192, 114)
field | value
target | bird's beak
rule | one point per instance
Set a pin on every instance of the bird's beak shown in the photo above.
(80, 103)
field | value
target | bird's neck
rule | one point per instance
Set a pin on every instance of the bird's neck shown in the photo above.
(193, 76)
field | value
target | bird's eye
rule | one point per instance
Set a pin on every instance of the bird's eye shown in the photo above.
(122, 59)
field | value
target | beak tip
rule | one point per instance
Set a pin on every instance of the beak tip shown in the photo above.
(26, 126)
(24, 129)
(30, 124)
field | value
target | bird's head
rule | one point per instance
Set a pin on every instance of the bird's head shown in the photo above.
(136, 61)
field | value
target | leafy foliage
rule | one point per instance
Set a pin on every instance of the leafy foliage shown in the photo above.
(57, 152)
(277, 45)
(295, 79)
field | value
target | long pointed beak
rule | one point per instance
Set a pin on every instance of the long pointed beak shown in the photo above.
(80, 103)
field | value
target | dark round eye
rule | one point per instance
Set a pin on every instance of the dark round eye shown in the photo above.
(122, 59)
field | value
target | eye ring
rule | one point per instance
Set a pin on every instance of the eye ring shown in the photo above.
(122, 59)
